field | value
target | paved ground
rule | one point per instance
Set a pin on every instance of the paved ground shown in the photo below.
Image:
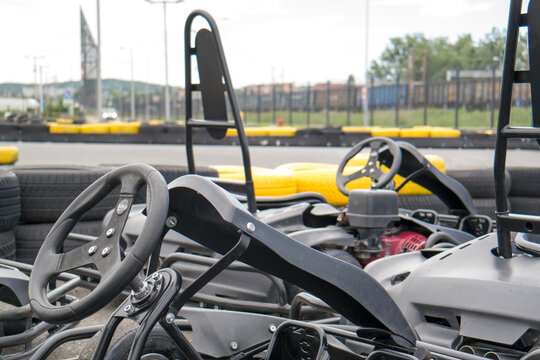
(95, 154)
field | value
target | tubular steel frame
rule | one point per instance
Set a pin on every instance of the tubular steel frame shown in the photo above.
(506, 221)
(210, 124)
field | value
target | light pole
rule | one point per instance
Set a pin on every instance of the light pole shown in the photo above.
(37, 89)
(366, 104)
(99, 102)
(167, 104)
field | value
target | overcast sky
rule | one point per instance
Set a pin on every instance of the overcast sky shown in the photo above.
(290, 40)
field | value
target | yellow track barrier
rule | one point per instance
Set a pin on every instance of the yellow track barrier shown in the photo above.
(8, 155)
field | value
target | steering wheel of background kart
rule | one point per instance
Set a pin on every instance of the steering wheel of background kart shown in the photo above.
(373, 167)
(117, 262)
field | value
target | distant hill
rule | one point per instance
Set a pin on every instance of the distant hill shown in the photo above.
(109, 85)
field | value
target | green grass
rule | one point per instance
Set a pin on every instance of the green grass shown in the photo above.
(386, 118)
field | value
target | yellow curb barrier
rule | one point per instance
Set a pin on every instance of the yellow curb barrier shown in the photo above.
(282, 131)
(55, 128)
(64, 121)
(124, 128)
(250, 131)
(9, 155)
(353, 129)
(390, 132)
(156, 122)
(97, 128)
(416, 132)
(444, 132)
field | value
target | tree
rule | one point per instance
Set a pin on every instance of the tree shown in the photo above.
(464, 53)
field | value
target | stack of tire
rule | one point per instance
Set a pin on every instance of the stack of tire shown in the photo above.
(44, 194)
(480, 184)
(10, 206)
(524, 193)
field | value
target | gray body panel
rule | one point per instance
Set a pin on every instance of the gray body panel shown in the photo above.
(465, 291)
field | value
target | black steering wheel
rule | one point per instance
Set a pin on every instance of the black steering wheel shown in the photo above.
(117, 262)
(372, 169)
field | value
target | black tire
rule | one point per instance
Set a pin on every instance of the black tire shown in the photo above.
(7, 245)
(29, 237)
(158, 342)
(525, 182)
(479, 182)
(10, 200)
(47, 192)
(414, 202)
(525, 205)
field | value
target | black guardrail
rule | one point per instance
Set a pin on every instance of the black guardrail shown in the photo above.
(175, 134)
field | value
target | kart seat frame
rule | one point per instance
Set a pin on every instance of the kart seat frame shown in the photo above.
(507, 221)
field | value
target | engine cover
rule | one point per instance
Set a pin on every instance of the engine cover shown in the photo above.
(372, 208)
(464, 291)
(404, 241)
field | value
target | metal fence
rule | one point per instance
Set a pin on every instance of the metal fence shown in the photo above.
(457, 103)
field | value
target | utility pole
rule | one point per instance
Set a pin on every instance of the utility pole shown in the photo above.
(366, 104)
(41, 97)
(99, 102)
(36, 86)
(167, 103)
(132, 117)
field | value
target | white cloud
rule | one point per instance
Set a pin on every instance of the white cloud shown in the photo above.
(305, 40)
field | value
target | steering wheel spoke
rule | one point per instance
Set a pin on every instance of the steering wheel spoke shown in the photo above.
(76, 258)
(356, 175)
(372, 169)
(116, 266)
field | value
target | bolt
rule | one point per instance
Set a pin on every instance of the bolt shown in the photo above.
(272, 328)
(106, 251)
(110, 232)
(157, 277)
(122, 207)
(171, 222)
(92, 250)
(250, 227)
(234, 345)
(169, 319)
(129, 309)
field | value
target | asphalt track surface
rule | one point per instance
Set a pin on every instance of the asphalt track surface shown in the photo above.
(34, 153)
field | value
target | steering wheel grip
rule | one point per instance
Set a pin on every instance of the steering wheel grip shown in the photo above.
(116, 268)
(371, 169)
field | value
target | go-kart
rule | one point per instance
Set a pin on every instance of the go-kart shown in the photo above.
(372, 226)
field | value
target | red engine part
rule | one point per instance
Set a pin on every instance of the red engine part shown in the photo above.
(404, 241)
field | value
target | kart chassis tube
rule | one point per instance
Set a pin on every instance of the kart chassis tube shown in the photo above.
(235, 266)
